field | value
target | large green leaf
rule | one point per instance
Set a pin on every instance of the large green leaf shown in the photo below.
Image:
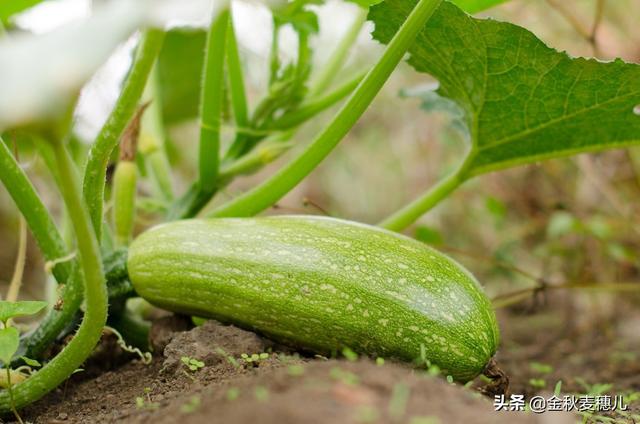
(474, 6)
(522, 101)
(471, 6)
(180, 69)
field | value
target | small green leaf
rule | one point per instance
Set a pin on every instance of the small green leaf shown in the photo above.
(537, 383)
(233, 393)
(10, 310)
(9, 342)
(541, 368)
(558, 388)
(31, 362)
(349, 354)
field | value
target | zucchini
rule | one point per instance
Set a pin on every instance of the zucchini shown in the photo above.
(321, 284)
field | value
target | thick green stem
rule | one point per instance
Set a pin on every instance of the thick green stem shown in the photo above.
(107, 140)
(337, 59)
(53, 249)
(211, 101)
(88, 335)
(269, 192)
(38, 218)
(236, 79)
(410, 213)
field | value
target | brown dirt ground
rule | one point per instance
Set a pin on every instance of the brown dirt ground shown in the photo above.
(288, 388)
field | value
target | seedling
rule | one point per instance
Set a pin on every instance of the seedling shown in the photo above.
(228, 357)
(192, 364)
(398, 402)
(349, 354)
(145, 402)
(295, 370)
(191, 406)
(537, 383)
(367, 414)
(254, 358)
(424, 420)
(233, 393)
(540, 368)
(261, 393)
(346, 377)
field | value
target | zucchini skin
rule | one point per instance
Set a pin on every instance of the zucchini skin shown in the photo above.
(320, 284)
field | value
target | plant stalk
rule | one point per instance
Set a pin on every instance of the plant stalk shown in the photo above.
(338, 57)
(236, 78)
(414, 210)
(34, 211)
(53, 249)
(270, 191)
(314, 107)
(88, 335)
(152, 140)
(107, 140)
(211, 102)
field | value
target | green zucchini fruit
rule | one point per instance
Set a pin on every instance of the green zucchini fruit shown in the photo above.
(321, 284)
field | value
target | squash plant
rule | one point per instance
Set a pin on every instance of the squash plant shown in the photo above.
(518, 100)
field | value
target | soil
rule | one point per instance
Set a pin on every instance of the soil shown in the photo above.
(284, 387)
